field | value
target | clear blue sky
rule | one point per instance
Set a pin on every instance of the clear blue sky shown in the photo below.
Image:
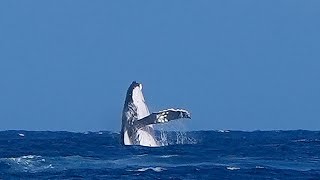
(242, 65)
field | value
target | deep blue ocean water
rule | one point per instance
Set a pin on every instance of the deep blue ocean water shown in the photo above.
(189, 155)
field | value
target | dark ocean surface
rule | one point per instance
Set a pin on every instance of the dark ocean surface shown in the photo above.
(189, 155)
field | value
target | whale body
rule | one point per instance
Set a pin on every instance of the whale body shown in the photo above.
(137, 122)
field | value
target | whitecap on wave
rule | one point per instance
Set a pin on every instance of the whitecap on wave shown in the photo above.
(233, 168)
(169, 156)
(223, 131)
(28, 163)
(156, 169)
(306, 140)
(141, 155)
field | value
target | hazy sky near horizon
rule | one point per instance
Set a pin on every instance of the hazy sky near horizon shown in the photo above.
(241, 65)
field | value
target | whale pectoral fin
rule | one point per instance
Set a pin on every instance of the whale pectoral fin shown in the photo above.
(162, 117)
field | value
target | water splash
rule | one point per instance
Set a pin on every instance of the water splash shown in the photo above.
(163, 138)
(172, 133)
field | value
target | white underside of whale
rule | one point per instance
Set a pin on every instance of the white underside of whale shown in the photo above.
(145, 136)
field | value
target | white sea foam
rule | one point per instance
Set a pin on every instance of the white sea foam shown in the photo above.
(156, 169)
(28, 163)
(233, 168)
(141, 155)
(301, 140)
(24, 158)
(306, 140)
(169, 156)
(223, 131)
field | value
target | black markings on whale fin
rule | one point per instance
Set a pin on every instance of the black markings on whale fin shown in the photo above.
(162, 117)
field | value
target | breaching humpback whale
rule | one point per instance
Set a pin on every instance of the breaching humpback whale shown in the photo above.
(137, 121)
